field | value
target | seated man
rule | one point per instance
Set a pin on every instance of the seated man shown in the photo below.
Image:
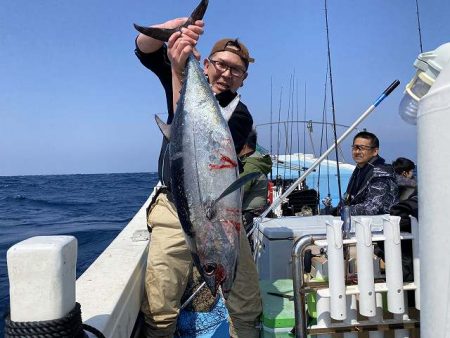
(404, 209)
(255, 191)
(404, 173)
(372, 189)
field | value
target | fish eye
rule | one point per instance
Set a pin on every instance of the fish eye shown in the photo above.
(209, 269)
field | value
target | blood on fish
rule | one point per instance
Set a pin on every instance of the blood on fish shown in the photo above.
(226, 163)
(233, 210)
(220, 274)
(237, 225)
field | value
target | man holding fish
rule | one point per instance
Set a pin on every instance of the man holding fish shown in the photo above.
(170, 261)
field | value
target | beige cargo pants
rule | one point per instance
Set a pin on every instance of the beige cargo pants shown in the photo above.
(168, 267)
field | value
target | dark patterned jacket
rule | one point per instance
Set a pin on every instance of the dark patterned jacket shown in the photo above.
(372, 190)
(406, 187)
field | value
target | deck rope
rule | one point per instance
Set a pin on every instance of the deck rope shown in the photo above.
(69, 326)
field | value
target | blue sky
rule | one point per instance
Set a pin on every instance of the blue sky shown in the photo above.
(74, 98)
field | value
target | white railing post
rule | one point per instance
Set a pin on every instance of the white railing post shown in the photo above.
(416, 259)
(378, 318)
(352, 315)
(323, 313)
(336, 273)
(364, 257)
(394, 272)
(42, 278)
(402, 333)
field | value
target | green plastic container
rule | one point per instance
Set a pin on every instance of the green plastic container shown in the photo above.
(278, 318)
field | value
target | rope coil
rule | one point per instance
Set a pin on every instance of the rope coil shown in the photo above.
(70, 326)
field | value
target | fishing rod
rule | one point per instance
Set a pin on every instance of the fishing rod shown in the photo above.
(418, 26)
(304, 130)
(292, 118)
(332, 101)
(298, 132)
(309, 126)
(278, 131)
(287, 145)
(324, 130)
(271, 113)
(278, 200)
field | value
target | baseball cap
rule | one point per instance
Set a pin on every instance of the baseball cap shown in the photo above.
(233, 46)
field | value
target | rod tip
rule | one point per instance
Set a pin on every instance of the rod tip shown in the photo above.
(391, 88)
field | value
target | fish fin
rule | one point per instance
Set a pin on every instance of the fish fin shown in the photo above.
(164, 127)
(211, 206)
(163, 34)
(199, 11)
(237, 184)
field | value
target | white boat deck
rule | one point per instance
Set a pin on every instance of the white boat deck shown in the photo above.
(110, 290)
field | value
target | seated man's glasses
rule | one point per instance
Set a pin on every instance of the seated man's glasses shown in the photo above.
(223, 67)
(357, 147)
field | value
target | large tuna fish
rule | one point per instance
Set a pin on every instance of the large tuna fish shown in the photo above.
(203, 165)
(204, 174)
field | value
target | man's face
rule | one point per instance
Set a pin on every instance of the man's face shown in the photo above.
(225, 71)
(362, 151)
(408, 174)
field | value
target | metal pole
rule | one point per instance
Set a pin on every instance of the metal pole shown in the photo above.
(298, 281)
(191, 297)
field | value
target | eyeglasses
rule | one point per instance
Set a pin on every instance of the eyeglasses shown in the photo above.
(361, 147)
(223, 67)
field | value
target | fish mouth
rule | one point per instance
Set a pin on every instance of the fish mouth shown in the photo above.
(209, 274)
(226, 293)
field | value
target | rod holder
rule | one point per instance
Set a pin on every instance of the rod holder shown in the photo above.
(394, 272)
(364, 257)
(323, 313)
(416, 259)
(336, 270)
(378, 318)
(352, 315)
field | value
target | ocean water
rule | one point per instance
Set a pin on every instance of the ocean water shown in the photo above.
(93, 208)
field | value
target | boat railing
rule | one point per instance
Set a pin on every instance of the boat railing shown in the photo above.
(343, 307)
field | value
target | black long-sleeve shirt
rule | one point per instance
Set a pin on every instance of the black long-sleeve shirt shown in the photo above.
(240, 122)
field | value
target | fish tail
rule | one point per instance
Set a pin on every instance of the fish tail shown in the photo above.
(163, 34)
